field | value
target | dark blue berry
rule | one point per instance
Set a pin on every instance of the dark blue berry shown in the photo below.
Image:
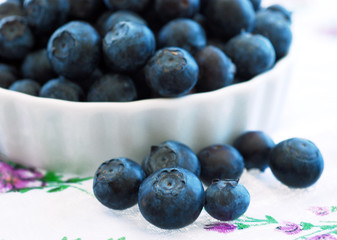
(255, 147)
(220, 161)
(281, 9)
(216, 70)
(119, 16)
(228, 18)
(26, 86)
(45, 16)
(296, 162)
(171, 198)
(170, 154)
(112, 88)
(74, 50)
(36, 66)
(132, 5)
(63, 89)
(128, 46)
(272, 25)
(171, 72)
(116, 183)
(251, 54)
(184, 33)
(8, 75)
(16, 38)
(86, 9)
(226, 200)
(171, 9)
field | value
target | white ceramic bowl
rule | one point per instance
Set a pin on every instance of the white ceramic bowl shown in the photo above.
(76, 137)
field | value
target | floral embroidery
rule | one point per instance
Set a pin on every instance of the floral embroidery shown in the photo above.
(221, 227)
(325, 230)
(14, 177)
(289, 228)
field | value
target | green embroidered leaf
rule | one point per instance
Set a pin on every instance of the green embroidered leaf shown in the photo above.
(242, 226)
(306, 226)
(77, 180)
(52, 177)
(64, 238)
(334, 209)
(271, 219)
(122, 238)
(328, 227)
(58, 189)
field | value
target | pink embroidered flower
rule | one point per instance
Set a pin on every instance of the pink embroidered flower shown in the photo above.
(13, 178)
(320, 211)
(289, 228)
(221, 227)
(323, 237)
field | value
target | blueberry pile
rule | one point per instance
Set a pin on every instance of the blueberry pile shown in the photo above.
(126, 50)
(169, 184)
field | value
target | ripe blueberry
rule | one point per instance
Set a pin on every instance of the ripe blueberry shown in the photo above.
(171, 198)
(296, 162)
(112, 88)
(255, 147)
(26, 86)
(252, 54)
(171, 154)
(116, 183)
(74, 50)
(171, 72)
(220, 161)
(226, 200)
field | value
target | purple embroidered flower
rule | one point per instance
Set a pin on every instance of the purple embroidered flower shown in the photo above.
(323, 237)
(320, 211)
(13, 178)
(289, 228)
(221, 227)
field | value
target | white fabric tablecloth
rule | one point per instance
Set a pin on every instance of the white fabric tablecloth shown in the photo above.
(64, 207)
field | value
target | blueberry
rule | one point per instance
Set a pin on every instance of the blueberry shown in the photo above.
(256, 4)
(113, 88)
(8, 75)
(16, 38)
(255, 147)
(220, 161)
(252, 54)
(296, 162)
(74, 50)
(132, 5)
(119, 16)
(184, 33)
(128, 46)
(116, 183)
(216, 70)
(63, 89)
(272, 25)
(36, 66)
(226, 200)
(281, 9)
(26, 86)
(171, 198)
(171, 72)
(171, 154)
(228, 18)
(10, 8)
(45, 16)
(86, 9)
(171, 9)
